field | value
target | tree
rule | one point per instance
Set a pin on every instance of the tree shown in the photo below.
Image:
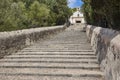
(4, 12)
(104, 13)
(62, 11)
(21, 14)
(38, 14)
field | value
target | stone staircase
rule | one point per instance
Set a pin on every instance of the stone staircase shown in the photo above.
(65, 56)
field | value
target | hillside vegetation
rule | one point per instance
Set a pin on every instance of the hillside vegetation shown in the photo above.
(21, 14)
(105, 13)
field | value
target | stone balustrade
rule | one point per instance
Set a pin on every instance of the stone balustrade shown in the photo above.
(106, 44)
(13, 41)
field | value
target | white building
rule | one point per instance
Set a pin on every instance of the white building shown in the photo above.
(77, 17)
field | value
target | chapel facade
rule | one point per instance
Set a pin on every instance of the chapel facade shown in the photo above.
(77, 17)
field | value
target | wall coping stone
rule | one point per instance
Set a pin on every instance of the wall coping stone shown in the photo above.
(106, 44)
(13, 41)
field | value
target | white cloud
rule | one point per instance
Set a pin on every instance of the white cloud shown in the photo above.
(72, 1)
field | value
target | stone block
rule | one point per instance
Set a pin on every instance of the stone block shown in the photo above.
(13, 41)
(106, 44)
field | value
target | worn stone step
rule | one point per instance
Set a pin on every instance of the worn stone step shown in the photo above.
(56, 53)
(51, 65)
(37, 77)
(92, 55)
(57, 50)
(60, 48)
(51, 72)
(56, 67)
(48, 61)
(37, 57)
(51, 59)
(65, 45)
(51, 56)
(66, 42)
(61, 43)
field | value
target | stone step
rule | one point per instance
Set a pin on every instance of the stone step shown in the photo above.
(51, 65)
(56, 67)
(56, 53)
(51, 56)
(74, 42)
(58, 47)
(64, 43)
(37, 77)
(49, 61)
(57, 50)
(61, 44)
(37, 57)
(51, 72)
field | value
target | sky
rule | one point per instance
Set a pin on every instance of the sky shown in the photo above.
(74, 3)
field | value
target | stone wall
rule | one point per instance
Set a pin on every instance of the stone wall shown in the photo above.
(13, 41)
(106, 44)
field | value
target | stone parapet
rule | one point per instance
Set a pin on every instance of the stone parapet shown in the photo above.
(13, 41)
(106, 44)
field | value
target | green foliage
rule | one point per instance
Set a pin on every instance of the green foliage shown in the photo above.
(73, 10)
(38, 14)
(105, 13)
(21, 14)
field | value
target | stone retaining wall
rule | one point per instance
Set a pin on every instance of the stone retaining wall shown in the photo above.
(15, 40)
(106, 44)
